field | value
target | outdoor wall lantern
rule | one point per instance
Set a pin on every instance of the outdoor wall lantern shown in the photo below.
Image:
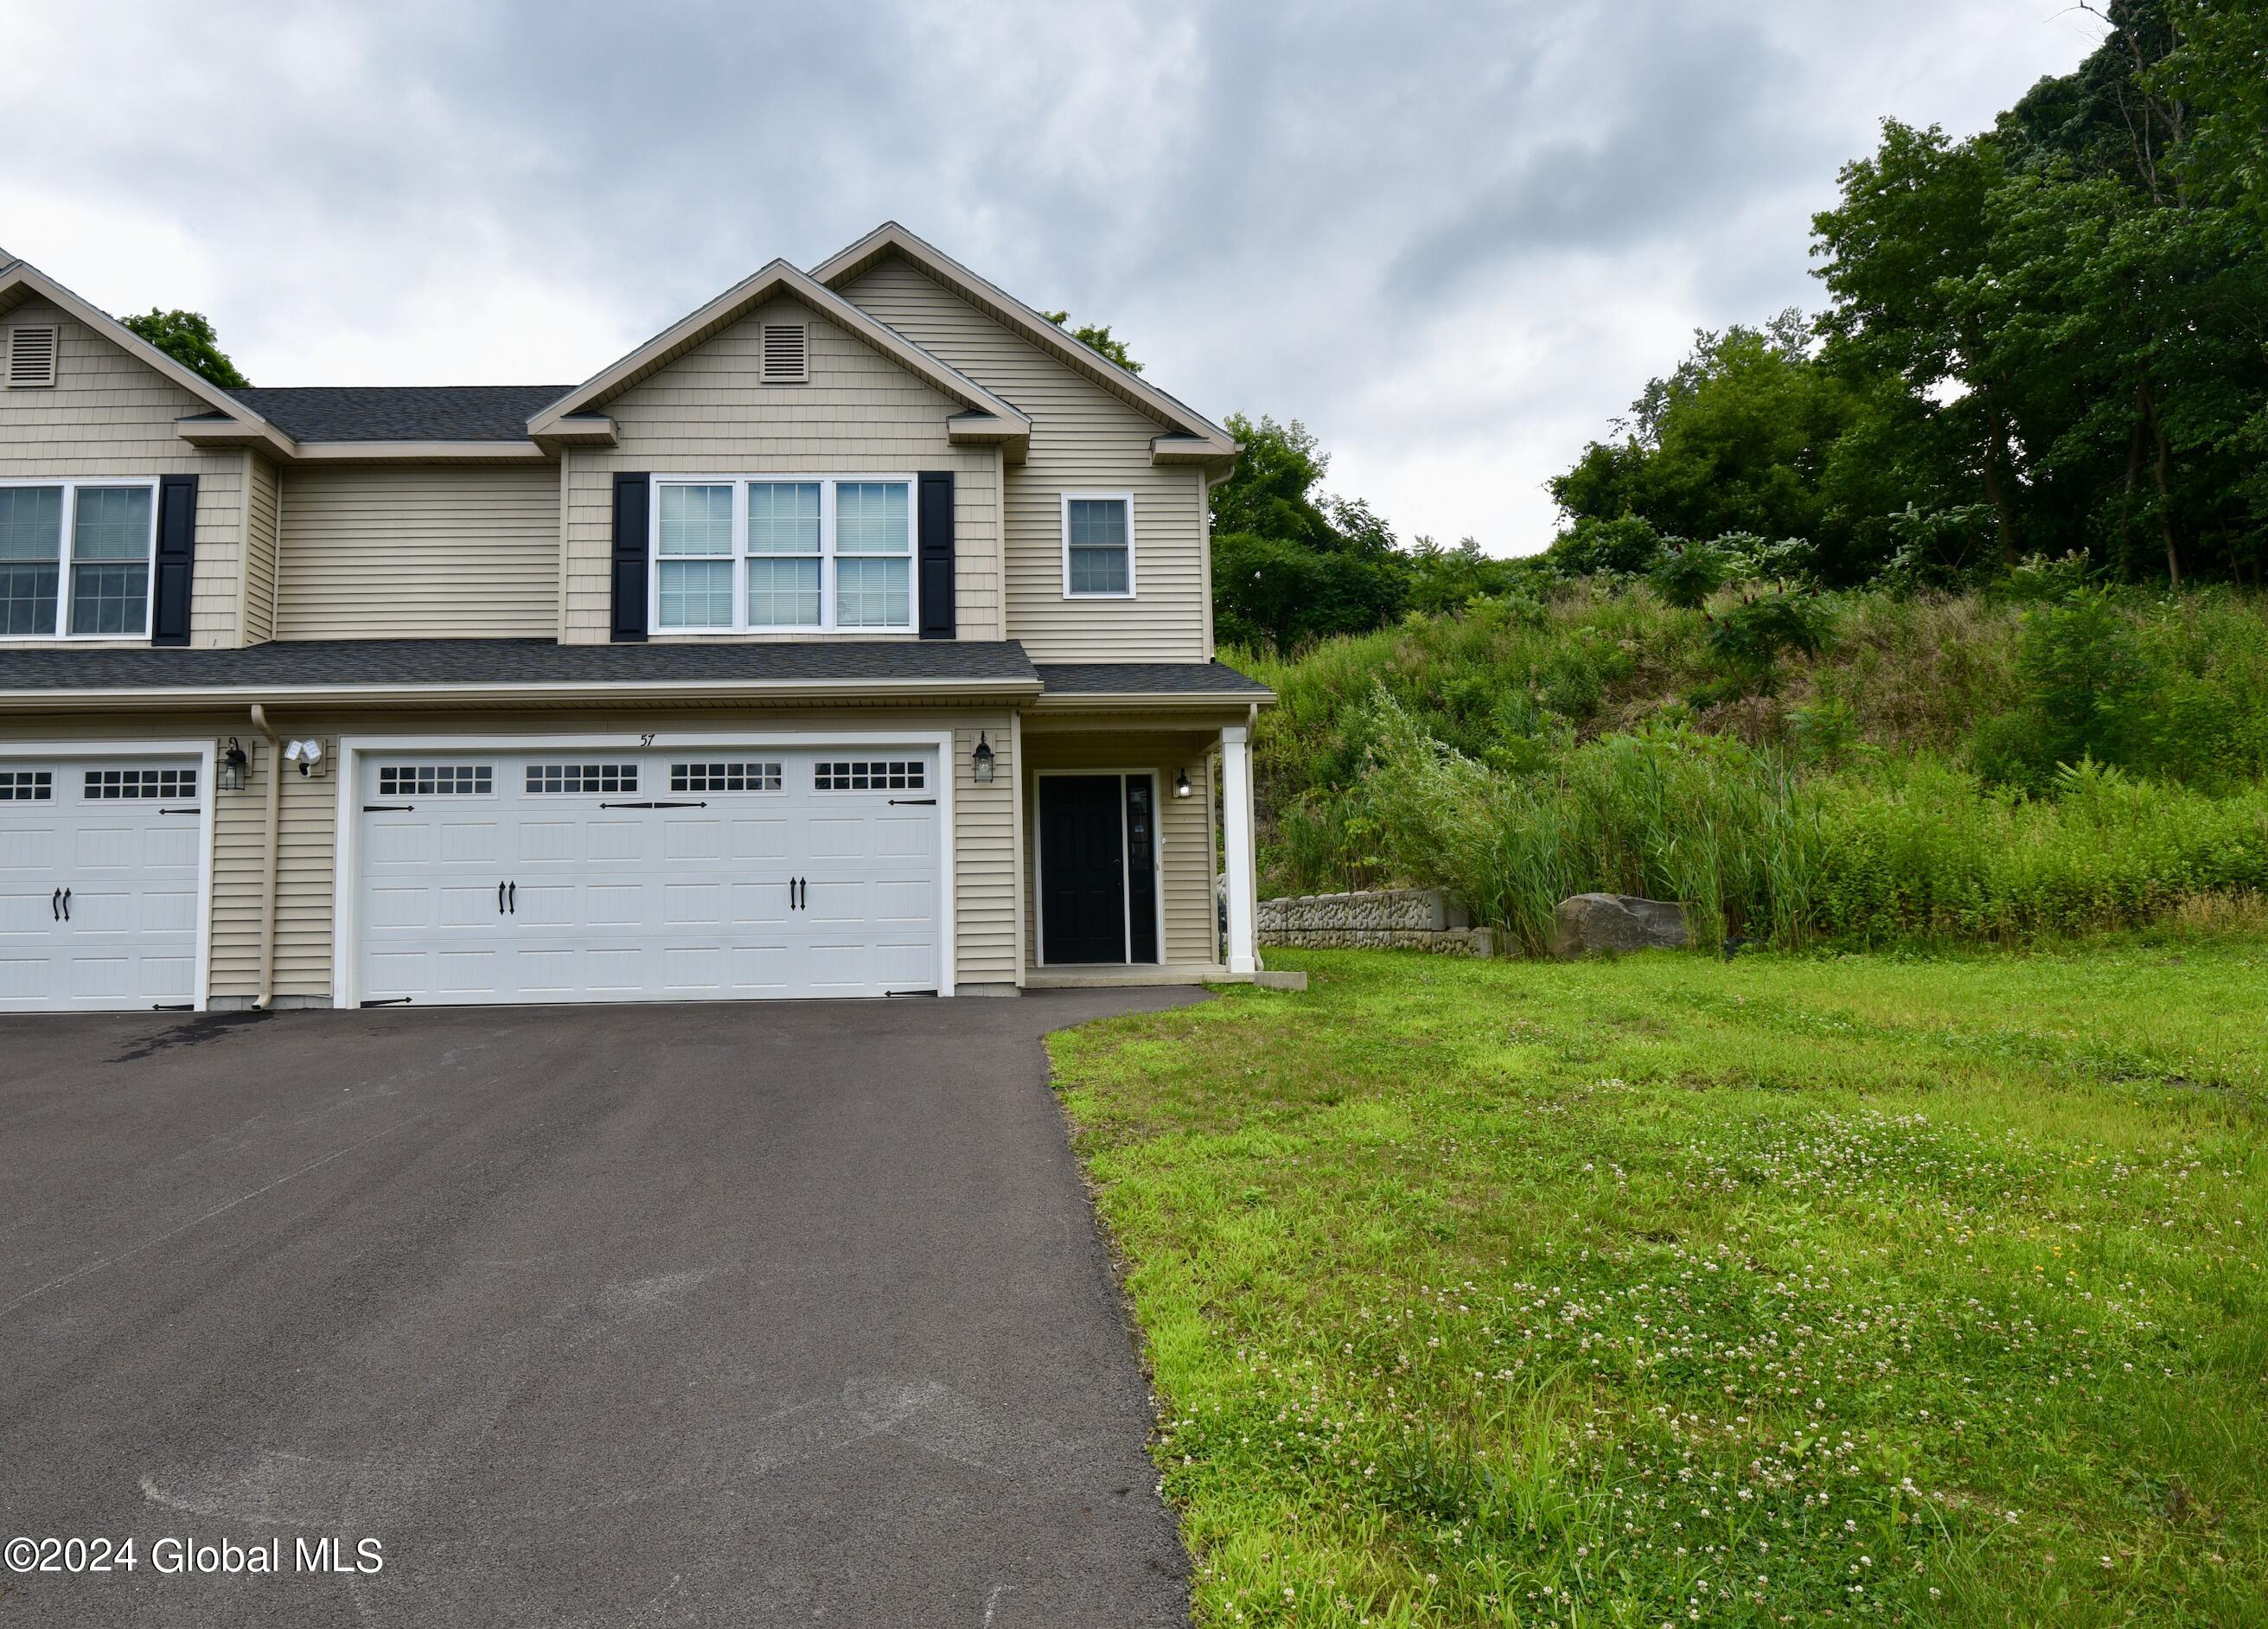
(1180, 783)
(233, 765)
(980, 761)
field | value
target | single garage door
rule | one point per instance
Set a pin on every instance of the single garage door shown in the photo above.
(99, 874)
(644, 876)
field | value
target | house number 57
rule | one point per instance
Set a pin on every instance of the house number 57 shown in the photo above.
(646, 740)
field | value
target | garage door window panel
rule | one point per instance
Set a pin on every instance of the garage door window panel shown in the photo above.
(732, 776)
(558, 779)
(436, 780)
(27, 786)
(868, 775)
(115, 785)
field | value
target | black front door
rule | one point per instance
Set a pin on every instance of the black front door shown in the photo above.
(1082, 869)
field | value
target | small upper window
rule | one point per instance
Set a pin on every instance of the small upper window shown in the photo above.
(26, 785)
(1098, 545)
(787, 359)
(75, 558)
(31, 355)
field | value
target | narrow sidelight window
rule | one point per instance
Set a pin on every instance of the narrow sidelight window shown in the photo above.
(784, 554)
(697, 557)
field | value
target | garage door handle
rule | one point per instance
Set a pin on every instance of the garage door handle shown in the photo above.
(653, 806)
(932, 802)
(189, 811)
(387, 809)
(500, 899)
(66, 904)
(55, 905)
(515, 899)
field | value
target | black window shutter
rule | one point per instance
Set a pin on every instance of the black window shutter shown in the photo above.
(631, 499)
(177, 558)
(938, 621)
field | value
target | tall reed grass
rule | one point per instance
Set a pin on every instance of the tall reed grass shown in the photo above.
(1916, 851)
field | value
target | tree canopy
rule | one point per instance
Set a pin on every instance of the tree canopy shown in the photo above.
(2046, 338)
(1096, 337)
(188, 338)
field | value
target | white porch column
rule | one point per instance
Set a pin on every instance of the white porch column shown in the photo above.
(1236, 842)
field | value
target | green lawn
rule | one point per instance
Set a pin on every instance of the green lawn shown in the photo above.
(1670, 1290)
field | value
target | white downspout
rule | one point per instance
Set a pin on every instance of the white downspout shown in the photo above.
(1236, 841)
(268, 862)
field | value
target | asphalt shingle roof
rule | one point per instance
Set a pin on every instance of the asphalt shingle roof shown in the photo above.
(292, 663)
(1147, 679)
(401, 412)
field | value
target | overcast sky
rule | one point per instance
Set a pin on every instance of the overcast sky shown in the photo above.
(1454, 239)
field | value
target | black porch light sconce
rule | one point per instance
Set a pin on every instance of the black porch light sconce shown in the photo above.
(980, 761)
(234, 762)
(1180, 783)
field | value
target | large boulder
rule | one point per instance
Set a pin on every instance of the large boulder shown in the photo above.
(1588, 923)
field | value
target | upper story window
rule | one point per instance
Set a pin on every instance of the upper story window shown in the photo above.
(75, 558)
(1098, 530)
(734, 554)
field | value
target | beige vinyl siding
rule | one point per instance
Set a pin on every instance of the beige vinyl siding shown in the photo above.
(708, 413)
(1185, 831)
(1084, 438)
(419, 551)
(984, 854)
(108, 414)
(263, 515)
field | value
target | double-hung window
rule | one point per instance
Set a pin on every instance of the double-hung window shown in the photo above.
(1098, 530)
(737, 555)
(75, 558)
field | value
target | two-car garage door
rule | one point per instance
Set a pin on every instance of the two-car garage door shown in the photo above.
(531, 876)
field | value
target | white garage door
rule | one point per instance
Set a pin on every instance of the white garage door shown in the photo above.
(649, 875)
(100, 871)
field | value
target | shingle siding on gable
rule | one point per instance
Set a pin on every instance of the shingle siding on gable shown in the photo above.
(109, 414)
(419, 551)
(1083, 437)
(709, 413)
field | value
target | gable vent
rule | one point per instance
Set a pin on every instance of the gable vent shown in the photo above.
(32, 355)
(786, 358)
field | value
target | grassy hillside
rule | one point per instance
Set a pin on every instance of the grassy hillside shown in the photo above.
(2050, 759)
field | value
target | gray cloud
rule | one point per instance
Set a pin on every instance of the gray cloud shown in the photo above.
(1454, 238)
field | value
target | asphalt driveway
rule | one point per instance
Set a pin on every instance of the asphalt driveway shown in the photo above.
(765, 1314)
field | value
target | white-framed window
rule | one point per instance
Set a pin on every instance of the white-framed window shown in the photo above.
(75, 558)
(1098, 534)
(776, 553)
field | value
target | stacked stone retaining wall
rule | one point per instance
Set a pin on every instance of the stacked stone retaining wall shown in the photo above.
(1386, 918)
